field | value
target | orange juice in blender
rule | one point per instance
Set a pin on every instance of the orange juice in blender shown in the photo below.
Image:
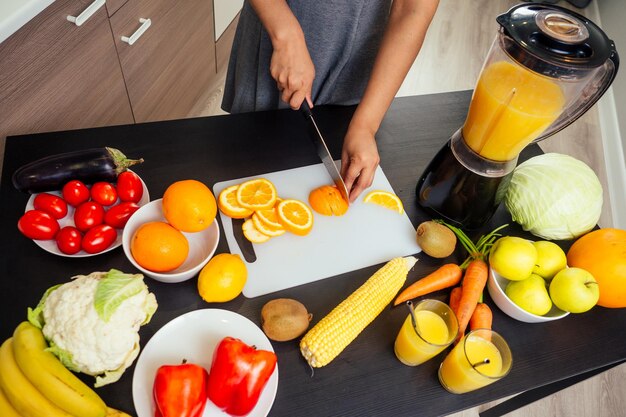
(511, 107)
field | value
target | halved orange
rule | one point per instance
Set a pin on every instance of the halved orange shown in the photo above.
(253, 234)
(385, 199)
(227, 203)
(266, 229)
(256, 194)
(295, 216)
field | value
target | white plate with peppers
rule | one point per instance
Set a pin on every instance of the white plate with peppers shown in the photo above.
(193, 338)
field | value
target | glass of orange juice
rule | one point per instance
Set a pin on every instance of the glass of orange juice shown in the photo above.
(429, 329)
(481, 358)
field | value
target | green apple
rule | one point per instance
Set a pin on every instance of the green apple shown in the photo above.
(513, 258)
(574, 290)
(530, 294)
(550, 259)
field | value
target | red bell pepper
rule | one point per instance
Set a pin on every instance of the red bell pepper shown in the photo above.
(180, 390)
(238, 375)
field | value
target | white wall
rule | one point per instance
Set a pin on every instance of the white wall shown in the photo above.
(612, 18)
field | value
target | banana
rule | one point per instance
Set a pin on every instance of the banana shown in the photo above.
(6, 409)
(112, 412)
(24, 397)
(50, 377)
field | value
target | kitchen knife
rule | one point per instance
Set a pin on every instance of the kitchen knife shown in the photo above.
(323, 152)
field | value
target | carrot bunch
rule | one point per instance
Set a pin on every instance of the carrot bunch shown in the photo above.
(469, 307)
(466, 299)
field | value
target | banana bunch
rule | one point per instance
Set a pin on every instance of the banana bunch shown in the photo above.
(34, 383)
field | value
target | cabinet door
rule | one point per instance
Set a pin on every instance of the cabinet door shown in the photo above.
(55, 75)
(171, 65)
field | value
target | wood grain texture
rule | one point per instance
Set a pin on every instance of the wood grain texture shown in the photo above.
(55, 75)
(114, 5)
(169, 68)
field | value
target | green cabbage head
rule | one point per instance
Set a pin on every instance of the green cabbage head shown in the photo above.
(554, 197)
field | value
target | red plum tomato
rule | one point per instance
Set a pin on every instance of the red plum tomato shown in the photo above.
(69, 240)
(104, 193)
(38, 225)
(98, 238)
(118, 215)
(51, 204)
(129, 187)
(88, 215)
(75, 193)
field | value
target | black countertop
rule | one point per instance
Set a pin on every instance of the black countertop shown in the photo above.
(366, 379)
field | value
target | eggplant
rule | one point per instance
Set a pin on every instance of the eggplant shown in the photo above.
(89, 166)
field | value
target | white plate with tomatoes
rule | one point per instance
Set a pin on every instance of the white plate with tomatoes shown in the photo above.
(81, 213)
(194, 336)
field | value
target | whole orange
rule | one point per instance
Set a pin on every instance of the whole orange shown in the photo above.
(159, 247)
(328, 201)
(189, 206)
(602, 252)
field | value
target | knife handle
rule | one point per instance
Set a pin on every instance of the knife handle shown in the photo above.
(305, 109)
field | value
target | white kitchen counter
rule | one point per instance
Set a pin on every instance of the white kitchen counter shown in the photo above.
(16, 13)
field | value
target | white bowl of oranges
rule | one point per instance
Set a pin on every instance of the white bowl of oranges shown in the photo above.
(172, 238)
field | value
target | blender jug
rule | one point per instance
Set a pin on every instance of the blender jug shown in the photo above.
(546, 67)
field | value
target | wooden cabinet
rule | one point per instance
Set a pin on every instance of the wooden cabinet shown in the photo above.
(168, 68)
(55, 75)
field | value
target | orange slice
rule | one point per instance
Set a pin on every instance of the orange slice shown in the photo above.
(252, 233)
(295, 216)
(385, 199)
(270, 217)
(227, 203)
(266, 229)
(256, 194)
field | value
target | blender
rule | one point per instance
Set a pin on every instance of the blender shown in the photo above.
(546, 67)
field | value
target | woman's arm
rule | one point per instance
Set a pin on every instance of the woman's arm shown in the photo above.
(291, 64)
(403, 38)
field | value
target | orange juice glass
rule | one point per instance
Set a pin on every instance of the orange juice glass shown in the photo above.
(511, 106)
(481, 358)
(436, 328)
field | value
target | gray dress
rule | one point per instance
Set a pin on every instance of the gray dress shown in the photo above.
(342, 36)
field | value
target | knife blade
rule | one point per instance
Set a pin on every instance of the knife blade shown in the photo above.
(323, 152)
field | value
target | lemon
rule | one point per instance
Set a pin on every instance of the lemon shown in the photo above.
(223, 278)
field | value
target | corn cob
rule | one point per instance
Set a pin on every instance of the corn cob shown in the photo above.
(345, 322)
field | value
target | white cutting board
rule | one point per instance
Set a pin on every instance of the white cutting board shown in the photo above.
(366, 235)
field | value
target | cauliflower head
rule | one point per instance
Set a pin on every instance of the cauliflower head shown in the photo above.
(92, 322)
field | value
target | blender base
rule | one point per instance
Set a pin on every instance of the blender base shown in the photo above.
(447, 189)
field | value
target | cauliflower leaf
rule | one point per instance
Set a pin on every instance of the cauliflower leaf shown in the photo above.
(35, 315)
(115, 287)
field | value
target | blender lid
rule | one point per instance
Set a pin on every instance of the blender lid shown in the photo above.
(554, 35)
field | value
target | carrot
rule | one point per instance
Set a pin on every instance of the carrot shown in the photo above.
(476, 273)
(482, 317)
(455, 298)
(474, 283)
(445, 276)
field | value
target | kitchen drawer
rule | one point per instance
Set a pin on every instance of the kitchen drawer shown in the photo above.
(55, 75)
(170, 66)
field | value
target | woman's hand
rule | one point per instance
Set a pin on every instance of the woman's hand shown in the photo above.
(293, 70)
(359, 159)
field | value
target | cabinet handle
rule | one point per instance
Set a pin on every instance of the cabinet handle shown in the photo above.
(87, 13)
(145, 24)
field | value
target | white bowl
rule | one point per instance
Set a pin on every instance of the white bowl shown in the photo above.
(202, 244)
(496, 285)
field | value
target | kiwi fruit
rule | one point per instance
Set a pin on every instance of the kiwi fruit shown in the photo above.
(435, 239)
(284, 319)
